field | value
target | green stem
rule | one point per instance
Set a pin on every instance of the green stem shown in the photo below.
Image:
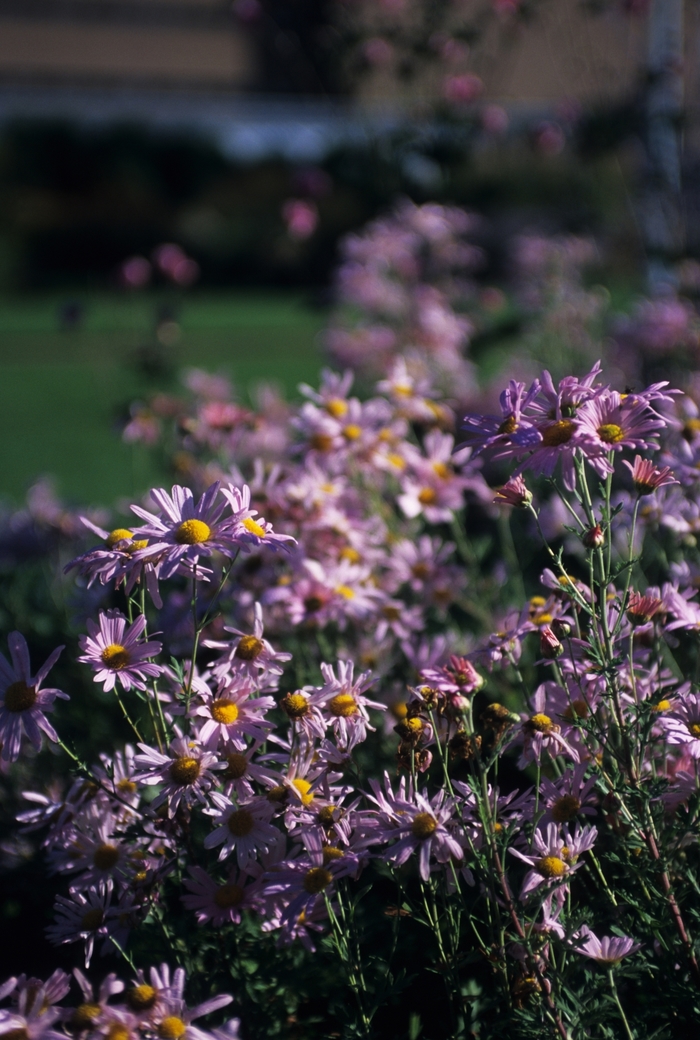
(628, 1032)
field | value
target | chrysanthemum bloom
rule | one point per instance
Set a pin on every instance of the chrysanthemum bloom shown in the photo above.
(185, 530)
(23, 701)
(681, 725)
(343, 702)
(606, 950)
(555, 855)
(114, 651)
(569, 796)
(611, 422)
(91, 1013)
(641, 609)
(510, 433)
(246, 529)
(231, 715)
(426, 826)
(250, 654)
(85, 915)
(34, 1013)
(301, 884)
(243, 828)
(303, 713)
(114, 561)
(215, 902)
(647, 477)
(170, 1018)
(539, 732)
(185, 773)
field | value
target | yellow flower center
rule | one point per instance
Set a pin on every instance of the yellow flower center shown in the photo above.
(253, 527)
(399, 709)
(192, 532)
(550, 867)
(611, 433)
(304, 789)
(105, 856)
(663, 705)
(119, 534)
(227, 896)
(542, 619)
(352, 432)
(321, 442)
(171, 1028)
(142, 997)
(540, 723)
(509, 425)
(558, 433)
(565, 808)
(694, 729)
(295, 705)
(578, 709)
(343, 705)
(225, 712)
(237, 766)
(348, 553)
(249, 648)
(84, 1016)
(126, 786)
(91, 920)
(240, 823)
(441, 470)
(424, 824)
(279, 793)
(325, 816)
(396, 460)
(330, 852)
(336, 407)
(115, 657)
(19, 696)
(426, 496)
(185, 770)
(391, 613)
(316, 879)
(345, 591)
(117, 1032)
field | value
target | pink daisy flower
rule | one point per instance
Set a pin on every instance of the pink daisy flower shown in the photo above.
(185, 773)
(608, 949)
(185, 530)
(243, 828)
(113, 649)
(23, 702)
(216, 902)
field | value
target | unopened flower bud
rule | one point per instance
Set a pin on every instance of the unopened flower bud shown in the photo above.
(550, 647)
(514, 493)
(593, 538)
(560, 628)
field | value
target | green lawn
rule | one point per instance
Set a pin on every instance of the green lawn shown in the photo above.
(62, 391)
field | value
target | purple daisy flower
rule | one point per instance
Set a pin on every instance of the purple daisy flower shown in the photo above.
(608, 949)
(185, 773)
(555, 855)
(215, 902)
(611, 422)
(244, 828)
(114, 651)
(23, 702)
(186, 529)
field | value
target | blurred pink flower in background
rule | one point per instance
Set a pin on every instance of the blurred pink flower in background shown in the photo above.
(135, 273)
(462, 89)
(301, 218)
